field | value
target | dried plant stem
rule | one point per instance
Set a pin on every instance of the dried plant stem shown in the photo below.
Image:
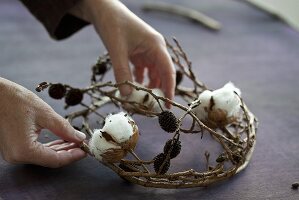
(138, 159)
(138, 162)
(238, 139)
(178, 53)
(188, 13)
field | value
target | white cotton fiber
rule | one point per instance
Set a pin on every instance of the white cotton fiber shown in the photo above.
(118, 126)
(118, 135)
(146, 100)
(99, 145)
(224, 100)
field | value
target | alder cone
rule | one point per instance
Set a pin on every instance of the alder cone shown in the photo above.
(100, 68)
(176, 148)
(158, 161)
(57, 91)
(73, 97)
(168, 122)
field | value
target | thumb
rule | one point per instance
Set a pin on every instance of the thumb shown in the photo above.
(60, 127)
(122, 72)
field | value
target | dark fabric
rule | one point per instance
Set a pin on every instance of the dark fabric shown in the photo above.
(256, 52)
(53, 15)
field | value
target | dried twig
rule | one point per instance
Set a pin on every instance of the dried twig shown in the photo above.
(237, 139)
(188, 13)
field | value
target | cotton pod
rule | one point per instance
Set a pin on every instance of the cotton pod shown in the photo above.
(219, 107)
(118, 136)
(143, 100)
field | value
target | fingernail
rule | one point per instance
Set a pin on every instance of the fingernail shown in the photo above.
(125, 90)
(80, 135)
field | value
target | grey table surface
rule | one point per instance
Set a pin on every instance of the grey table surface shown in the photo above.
(258, 53)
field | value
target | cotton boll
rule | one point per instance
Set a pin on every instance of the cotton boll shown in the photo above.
(153, 104)
(201, 110)
(118, 126)
(219, 107)
(143, 100)
(226, 99)
(230, 86)
(115, 139)
(99, 145)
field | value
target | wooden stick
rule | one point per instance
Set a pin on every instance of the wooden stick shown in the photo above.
(188, 13)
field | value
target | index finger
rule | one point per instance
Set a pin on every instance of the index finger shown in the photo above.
(167, 73)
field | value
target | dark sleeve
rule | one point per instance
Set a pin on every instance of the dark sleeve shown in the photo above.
(53, 14)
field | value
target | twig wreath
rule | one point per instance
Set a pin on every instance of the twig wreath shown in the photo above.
(220, 113)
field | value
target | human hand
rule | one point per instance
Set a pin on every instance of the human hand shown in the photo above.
(23, 116)
(128, 38)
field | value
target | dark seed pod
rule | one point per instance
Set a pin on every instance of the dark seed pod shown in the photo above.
(221, 158)
(168, 121)
(158, 161)
(40, 87)
(295, 186)
(176, 148)
(73, 97)
(179, 77)
(100, 68)
(57, 91)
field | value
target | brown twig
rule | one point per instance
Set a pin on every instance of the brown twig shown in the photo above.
(188, 13)
(237, 139)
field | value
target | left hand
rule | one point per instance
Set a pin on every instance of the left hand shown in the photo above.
(23, 116)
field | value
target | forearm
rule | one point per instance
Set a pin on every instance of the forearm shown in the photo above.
(62, 18)
(113, 21)
(54, 15)
(128, 38)
(91, 10)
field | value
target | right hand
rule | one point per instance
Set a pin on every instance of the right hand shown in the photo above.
(129, 39)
